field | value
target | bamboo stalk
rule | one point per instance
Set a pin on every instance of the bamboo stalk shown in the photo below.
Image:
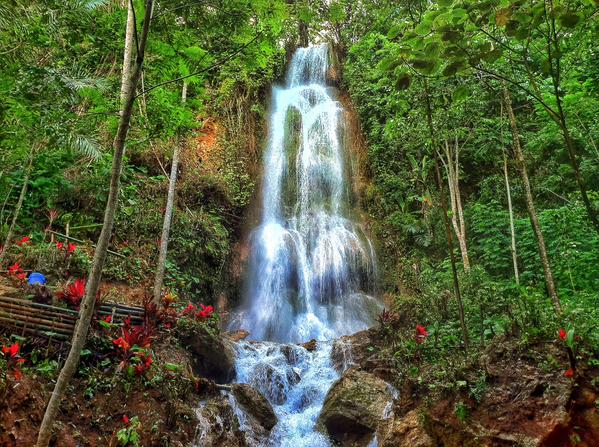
(123, 306)
(121, 315)
(60, 312)
(36, 320)
(40, 305)
(33, 312)
(56, 337)
(28, 316)
(31, 324)
(114, 253)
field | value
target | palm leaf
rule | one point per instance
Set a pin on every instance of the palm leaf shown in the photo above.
(84, 146)
(90, 5)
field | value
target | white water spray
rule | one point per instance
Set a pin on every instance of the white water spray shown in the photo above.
(312, 270)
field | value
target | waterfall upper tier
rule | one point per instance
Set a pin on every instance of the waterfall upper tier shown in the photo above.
(312, 269)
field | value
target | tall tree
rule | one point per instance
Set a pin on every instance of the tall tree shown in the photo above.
(128, 51)
(524, 43)
(451, 163)
(511, 216)
(166, 226)
(18, 206)
(93, 284)
(454, 271)
(530, 206)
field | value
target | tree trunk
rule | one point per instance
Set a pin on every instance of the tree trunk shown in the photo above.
(166, 227)
(128, 51)
(168, 215)
(534, 221)
(554, 55)
(184, 91)
(18, 207)
(454, 271)
(511, 213)
(303, 34)
(93, 284)
(452, 169)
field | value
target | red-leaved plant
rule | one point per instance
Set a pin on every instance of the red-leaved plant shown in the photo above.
(132, 345)
(73, 293)
(13, 360)
(421, 334)
(25, 240)
(17, 272)
(201, 314)
(568, 339)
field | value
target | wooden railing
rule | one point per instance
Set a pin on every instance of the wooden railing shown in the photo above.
(57, 323)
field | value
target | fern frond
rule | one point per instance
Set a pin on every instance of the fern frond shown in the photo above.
(80, 80)
(90, 5)
(84, 146)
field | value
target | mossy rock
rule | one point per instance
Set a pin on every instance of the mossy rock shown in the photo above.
(354, 407)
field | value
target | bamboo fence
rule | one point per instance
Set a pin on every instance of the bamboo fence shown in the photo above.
(56, 323)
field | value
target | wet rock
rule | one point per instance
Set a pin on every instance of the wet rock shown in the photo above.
(218, 425)
(255, 404)
(310, 346)
(213, 355)
(354, 407)
(341, 354)
(274, 382)
(406, 431)
(235, 336)
(290, 353)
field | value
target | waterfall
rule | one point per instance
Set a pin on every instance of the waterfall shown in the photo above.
(311, 268)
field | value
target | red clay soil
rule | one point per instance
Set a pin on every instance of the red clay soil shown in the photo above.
(167, 416)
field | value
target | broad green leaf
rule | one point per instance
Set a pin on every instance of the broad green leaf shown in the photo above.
(403, 81)
(394, 31)
(423, 28)
(569, 19)
(461, 93)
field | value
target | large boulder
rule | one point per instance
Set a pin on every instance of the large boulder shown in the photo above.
(218, 425)
(406, 431)
(255, 405)
(354, 408)
(213, 354)
(362, 350)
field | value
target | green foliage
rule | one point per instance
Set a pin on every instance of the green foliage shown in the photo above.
(426, 73)
(129, 436)
(59, 97)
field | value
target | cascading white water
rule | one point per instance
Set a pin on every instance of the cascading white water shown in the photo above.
(312, 270)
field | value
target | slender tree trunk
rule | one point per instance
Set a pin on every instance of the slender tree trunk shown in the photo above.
(452, 169)
(511, 213)
(576, 168)
(166, 226)
(93, 284)
(18, 207)
(554, 56)
(184, 91)
(454, 271)
(128, 51)
(168, 215)
(534, 221)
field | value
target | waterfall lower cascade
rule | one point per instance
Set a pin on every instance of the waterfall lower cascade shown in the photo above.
(311, 269)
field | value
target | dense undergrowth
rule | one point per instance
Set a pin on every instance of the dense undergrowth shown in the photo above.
(404, 201)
